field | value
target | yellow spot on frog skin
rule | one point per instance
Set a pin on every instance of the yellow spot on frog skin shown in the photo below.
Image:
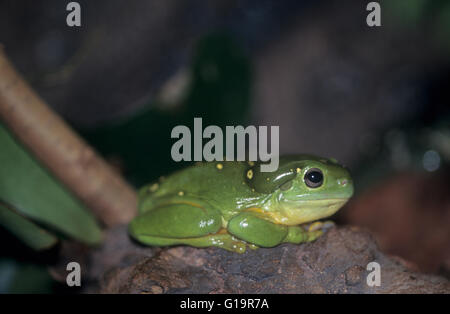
(181, 193)
(219, 166)
(250, 174)
(251, 163)
(298, 170)
(153, 187)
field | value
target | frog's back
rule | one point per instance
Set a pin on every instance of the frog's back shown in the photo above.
(220, 183)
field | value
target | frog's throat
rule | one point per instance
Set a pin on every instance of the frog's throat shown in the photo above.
(299, 212)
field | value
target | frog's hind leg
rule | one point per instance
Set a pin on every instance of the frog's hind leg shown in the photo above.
(183, 222)
(222, 240)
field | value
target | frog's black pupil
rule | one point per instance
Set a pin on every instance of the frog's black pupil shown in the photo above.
(314, 178)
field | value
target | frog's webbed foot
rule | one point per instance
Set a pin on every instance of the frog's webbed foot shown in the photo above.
(307, 232)
(224, 240)
(221, 239)
(316, 229)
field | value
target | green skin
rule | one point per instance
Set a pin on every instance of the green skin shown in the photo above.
(233, 205)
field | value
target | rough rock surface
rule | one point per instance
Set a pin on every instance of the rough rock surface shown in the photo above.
(335, 263)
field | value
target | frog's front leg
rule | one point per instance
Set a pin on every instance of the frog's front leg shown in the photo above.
(309, 232)
(183, 221)
(253, 228)
(297, 234)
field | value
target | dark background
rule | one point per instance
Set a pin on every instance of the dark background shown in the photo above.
(375, 98)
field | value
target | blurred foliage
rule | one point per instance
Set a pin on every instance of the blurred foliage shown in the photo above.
(27, 231)
(413, 13)
(407, 12)
(218, 91)
(20, 277)
(32, 200)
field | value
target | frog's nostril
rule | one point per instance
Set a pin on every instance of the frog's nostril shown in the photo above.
(343, 182)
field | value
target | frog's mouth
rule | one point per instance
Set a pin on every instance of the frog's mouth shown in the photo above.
(299, 212)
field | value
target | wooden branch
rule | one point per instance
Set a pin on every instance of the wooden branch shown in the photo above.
(62, 151)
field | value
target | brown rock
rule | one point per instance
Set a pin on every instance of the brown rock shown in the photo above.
(335, 263)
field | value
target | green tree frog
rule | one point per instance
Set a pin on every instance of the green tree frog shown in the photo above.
(232, 204)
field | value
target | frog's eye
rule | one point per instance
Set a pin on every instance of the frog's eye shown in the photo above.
(313, 178)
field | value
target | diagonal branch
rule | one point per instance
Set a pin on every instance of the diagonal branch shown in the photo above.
(61, 150)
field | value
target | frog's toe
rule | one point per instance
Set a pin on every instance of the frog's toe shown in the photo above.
(234, 245)
(226, 241)
(319, 225)
(314, 226)
(240, 248)
(313, 235)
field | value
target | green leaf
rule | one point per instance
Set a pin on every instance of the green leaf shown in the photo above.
(33, 192)
(27, 231)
